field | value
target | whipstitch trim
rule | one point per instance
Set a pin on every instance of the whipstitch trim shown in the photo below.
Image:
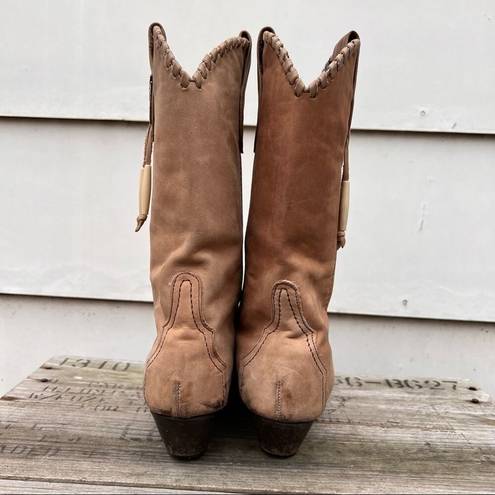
(205, 66)
(322, 81)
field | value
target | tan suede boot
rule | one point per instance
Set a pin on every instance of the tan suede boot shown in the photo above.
(196, 235)
(296, 223)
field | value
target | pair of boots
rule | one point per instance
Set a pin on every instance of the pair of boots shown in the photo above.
(278, 327)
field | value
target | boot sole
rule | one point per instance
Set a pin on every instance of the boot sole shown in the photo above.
(185, 438)
(281, 439)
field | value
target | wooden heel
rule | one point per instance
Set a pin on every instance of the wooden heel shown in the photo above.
(185, 438)
(281, 439)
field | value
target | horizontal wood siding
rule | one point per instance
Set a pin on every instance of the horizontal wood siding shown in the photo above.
(420, 235)
(425, 66)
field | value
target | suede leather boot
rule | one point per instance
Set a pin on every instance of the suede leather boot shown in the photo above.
(196, 125)
(297, 221)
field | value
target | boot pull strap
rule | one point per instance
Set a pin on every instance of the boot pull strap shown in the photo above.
(345, 183)
(145, 175)
(344, 198)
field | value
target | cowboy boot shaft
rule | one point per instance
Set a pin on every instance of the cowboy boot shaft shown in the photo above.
(285, 364)
(196, 225)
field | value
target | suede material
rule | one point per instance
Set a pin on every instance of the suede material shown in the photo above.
(283, 353)
(196, 235)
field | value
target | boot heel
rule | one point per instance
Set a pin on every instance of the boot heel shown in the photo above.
(185, 438)
(281, 439)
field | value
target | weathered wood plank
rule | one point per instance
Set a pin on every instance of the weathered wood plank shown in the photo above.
(84, 420)
(14, 487)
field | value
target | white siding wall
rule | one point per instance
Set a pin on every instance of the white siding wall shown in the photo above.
(420, 236)
(424, 66)
(421, 233)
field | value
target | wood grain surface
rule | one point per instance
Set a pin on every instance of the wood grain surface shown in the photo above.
(80, 425)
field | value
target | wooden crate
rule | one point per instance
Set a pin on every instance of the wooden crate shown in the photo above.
(79, 425)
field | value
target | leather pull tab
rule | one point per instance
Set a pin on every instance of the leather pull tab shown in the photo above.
(145, 176)
(144, 195)
(343, 212)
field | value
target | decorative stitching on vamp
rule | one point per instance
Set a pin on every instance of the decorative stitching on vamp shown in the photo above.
(177, 397)
(170, 324)
(323, 80)
(266, 333)
(287, 287)
(200, 314)
(197, 326)
(316, 358)
(205, 66)
(278, 399)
